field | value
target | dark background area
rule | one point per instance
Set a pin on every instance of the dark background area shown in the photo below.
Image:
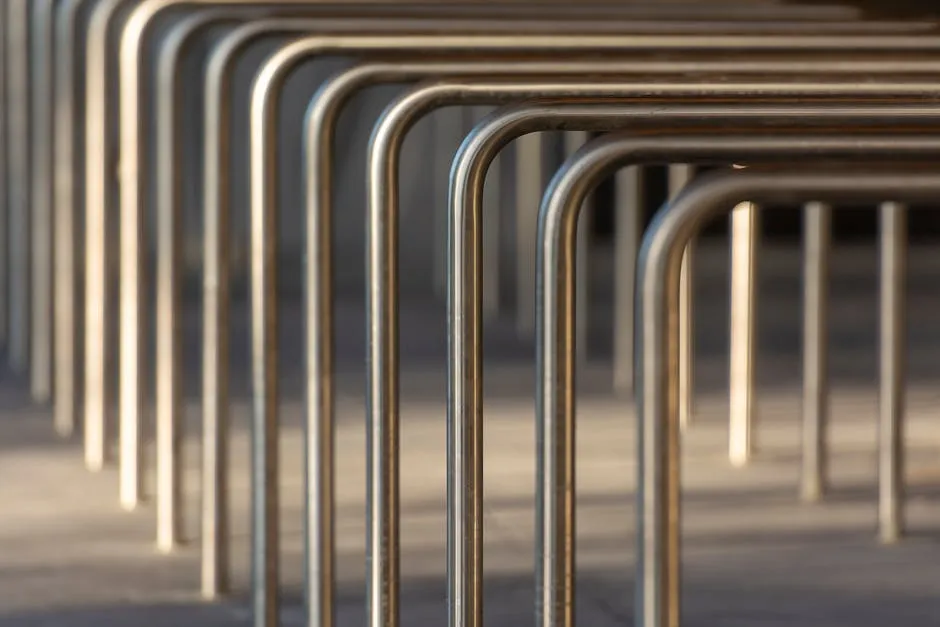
(779, 224)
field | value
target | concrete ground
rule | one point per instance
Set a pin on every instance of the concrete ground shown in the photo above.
(753, 555)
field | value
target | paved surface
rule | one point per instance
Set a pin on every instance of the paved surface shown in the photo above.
(754, 556)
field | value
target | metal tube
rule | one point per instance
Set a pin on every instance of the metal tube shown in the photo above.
(658, 593)
(745, 235)
(18, 118)
(42, 46)
(573, 141)
(492, 211)
(529, 186)
(98, 359)
(892, 344)
(817, 219)
(628, 208)
(168, 190)
(448, 131)
(64, 211)
(679, 177)
(4, 170)
(557, 400)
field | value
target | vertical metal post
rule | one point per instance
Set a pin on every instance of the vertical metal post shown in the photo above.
(679, 177)
(628, 207)
(5, 157)
(41, 74)
(98, 312)
(265, 488)
(745, 235)
(573, 141)
(170, 147)
(18, 134)
(892, 343)
(817, 227)
(215, 328)
(65, 209)
(528, 193)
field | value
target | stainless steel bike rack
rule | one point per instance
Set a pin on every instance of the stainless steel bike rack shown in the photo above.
(658, 586)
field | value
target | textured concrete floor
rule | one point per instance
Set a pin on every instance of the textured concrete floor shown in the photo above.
(754, 556)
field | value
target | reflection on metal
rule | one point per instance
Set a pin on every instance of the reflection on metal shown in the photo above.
(817, 218)
(679, 177)
(629, 202)
(19, 99)
(40, 206)
(745, 240)
(98, 197)
(892, 345)
(68, 71)
(573, 141)
(659, 559)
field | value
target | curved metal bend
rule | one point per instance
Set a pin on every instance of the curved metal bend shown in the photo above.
(557, 226)
(658, 491)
